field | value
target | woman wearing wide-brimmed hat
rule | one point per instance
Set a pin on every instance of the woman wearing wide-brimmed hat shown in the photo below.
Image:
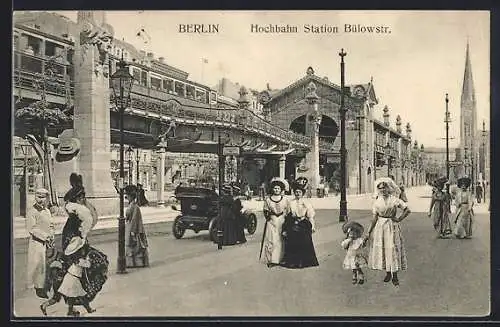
(80, 220)
(77, 227)
(76, 182)
(297, 230)
(136, 241)
(387, 251)
(439, 209)
(276, 207)
(232, 229)
(464, 213)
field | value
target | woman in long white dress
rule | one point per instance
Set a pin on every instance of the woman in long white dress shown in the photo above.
(276, 207)
(464, 213)
(387, 251)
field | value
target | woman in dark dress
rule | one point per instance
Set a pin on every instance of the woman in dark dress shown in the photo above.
(232, 227)
(439, 209)
(297, 230)
(78, 225)
(136, 240)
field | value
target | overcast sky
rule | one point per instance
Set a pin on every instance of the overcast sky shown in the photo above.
(412, 67)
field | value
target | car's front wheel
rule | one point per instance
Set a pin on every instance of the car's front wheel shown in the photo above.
(178, 228)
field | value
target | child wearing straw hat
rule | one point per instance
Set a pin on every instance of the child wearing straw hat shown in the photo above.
(355, 257)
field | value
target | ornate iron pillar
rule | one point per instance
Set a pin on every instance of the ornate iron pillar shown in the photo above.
(343, 152)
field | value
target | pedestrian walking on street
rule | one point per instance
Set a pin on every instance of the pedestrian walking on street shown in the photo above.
(136, 239)
(71, 287)
(230, 218)
(297, 230)
(41, 235)
(402, 195)
(75, 231)
(276, 207)
(464, 214)
(354, 243)
(141, 196)
(80, 219)
(439, 209)
(479, 192)
(387, 251)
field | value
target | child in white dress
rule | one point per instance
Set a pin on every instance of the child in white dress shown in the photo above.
(71, 287)
(355, 258)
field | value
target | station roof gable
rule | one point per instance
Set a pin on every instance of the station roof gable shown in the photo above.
(357, 91)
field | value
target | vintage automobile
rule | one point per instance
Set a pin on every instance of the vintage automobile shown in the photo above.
(199, 211)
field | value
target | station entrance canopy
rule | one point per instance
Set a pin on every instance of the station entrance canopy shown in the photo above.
(194, 144)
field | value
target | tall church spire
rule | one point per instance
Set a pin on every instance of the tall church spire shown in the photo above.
(468, 100)
(468, 125)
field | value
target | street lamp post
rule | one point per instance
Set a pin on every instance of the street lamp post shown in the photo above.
(483, 161)
(388, 154)
(421, 162)
(472, 163)
(130, 153)
(121, 84)
(24, 185)
(220, 154)
(343, 152)
(137, 157)
(447, 121)
(358, 118)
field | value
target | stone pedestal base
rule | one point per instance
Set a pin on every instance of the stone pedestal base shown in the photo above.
(62, 171)
(106, 206)
(312, 174)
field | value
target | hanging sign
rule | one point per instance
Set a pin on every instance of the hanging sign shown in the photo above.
(231, 151)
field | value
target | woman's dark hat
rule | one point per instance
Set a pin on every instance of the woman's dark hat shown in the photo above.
(464, 181)
(130, 189)
(353, 225)
(300, 184)
(439, 183)
(75, 179)
(74, 193)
